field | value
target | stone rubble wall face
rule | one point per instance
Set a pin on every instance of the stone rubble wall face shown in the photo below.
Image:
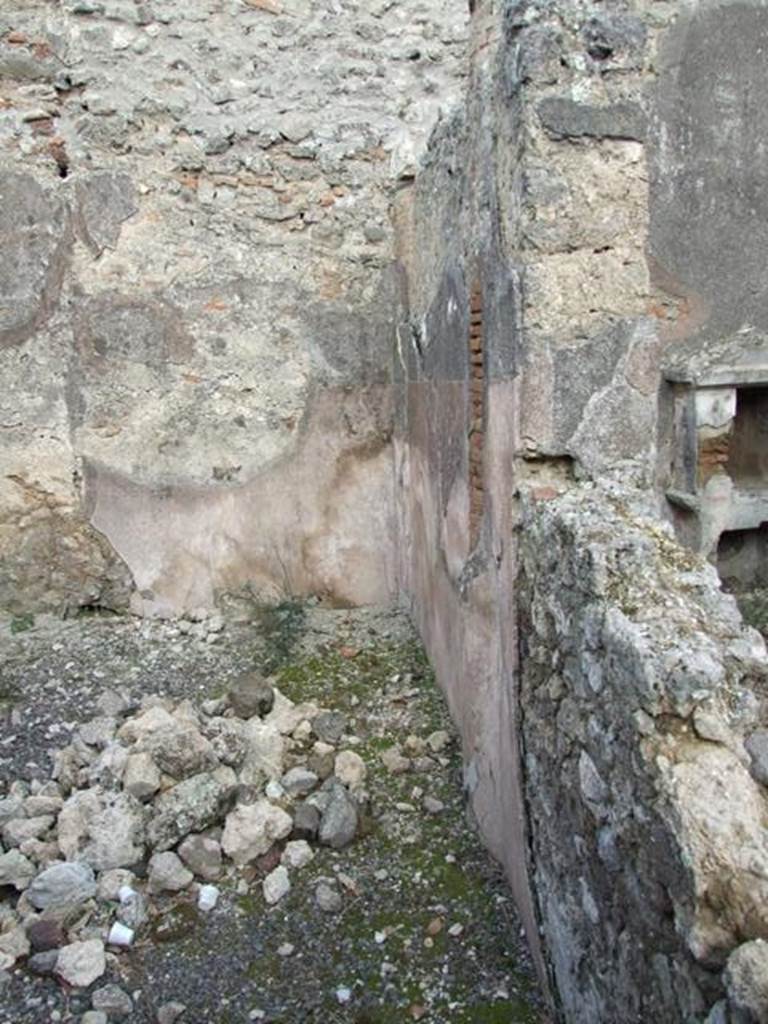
(640, 685)
(196, 292)
(556, 228)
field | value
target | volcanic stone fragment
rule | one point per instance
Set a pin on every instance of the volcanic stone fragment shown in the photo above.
(329, 726)
(68, 883)
(113, 1001)
(251, 695)
(202, 855)
(190, 806)
(45, 934)
(43, 963)
(81, 963)
(338, 824)
(306, 822)
(16, 870)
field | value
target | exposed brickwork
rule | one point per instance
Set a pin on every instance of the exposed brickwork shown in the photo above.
(476, 414)
(713, 456)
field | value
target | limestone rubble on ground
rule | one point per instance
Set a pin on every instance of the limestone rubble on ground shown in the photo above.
(173, 794)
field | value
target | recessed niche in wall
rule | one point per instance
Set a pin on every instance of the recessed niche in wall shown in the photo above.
(718, 479)
(742, 559)
(747, 463)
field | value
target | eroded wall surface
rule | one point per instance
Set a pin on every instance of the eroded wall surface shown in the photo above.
(196, 293)
(644, 707)
(456, 435)
(560, 250)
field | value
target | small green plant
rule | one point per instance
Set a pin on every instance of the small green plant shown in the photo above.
(754, 609)
(282, 626)
(21, 623)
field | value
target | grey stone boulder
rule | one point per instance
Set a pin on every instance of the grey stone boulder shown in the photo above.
(322, 759)
(99, 732)
(19, 830)
(757, 748)
(251, 830)
(190, 806)
(339, 820)
(14, 944)
(114, 704)
(350, 769)
(43, 963)
(141, 727)
(299, 781)
(329, 726)
(47, 801)
(72, 882)
(202, 855)
(141, 776)
(104, 828)
(169, 1013)
(251, 695)
(10, 807)
(306, 822)
(276, 885)
(297, 854)
(81, 963)
(180, 750)
(328, 898)
(394, 761)
(746, 983)
(168, 874)
(264, 753)
(16, 870)
(113, 1001)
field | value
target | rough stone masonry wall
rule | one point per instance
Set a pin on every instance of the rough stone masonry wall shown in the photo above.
(643, 697)
(562, 241)
(196, 293)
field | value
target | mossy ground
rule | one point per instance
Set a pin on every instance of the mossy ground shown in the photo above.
(413, 874)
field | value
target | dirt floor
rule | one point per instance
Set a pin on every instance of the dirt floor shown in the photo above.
(425, 928)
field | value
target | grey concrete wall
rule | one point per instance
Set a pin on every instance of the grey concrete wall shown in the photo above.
(196, 294)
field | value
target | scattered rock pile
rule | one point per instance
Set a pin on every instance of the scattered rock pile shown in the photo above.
(154, 800)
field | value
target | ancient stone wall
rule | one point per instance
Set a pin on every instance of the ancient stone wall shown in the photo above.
(642, 698)
(561, 275)
(456, 436)
(196, 294)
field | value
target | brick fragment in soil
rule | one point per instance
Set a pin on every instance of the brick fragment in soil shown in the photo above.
(425, 927)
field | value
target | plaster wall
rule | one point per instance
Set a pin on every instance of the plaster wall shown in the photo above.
(196, 293)
(581, 193)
